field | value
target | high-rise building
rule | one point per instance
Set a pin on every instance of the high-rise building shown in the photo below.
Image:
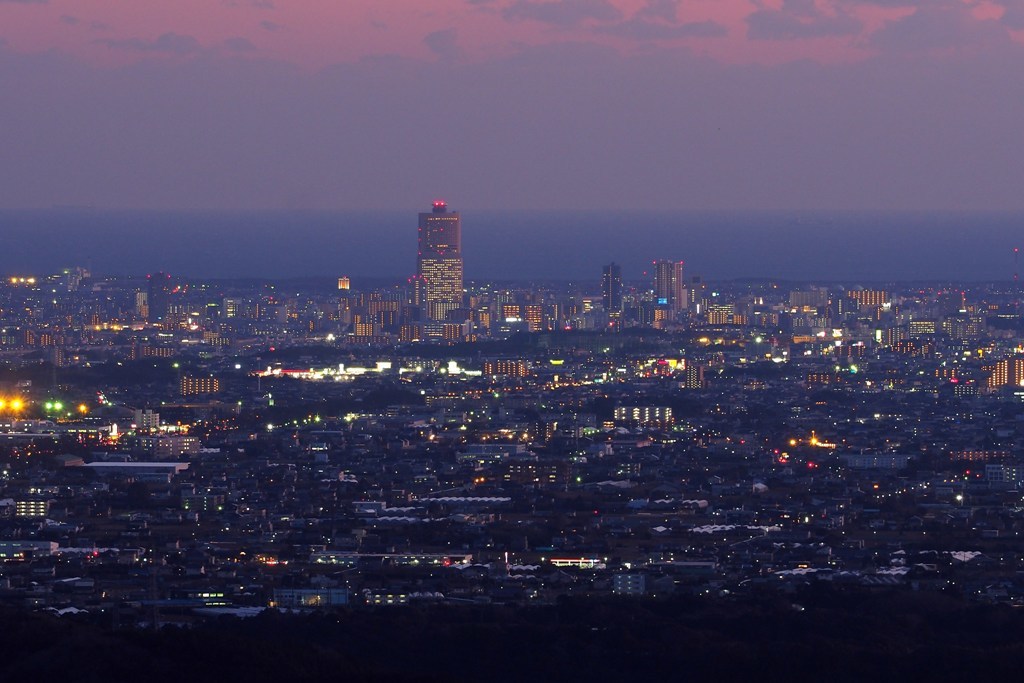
(813, 298)
(1007, 372)
(231, 307)
(721, 314)
(611, 288)
(142, 304)
(669, 286)
(693, 377)
(439, 261)
(160, 287)
(867, 298)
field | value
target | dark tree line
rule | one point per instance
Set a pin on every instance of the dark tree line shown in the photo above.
(830, 635)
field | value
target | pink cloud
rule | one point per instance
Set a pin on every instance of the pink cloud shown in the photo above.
(318, 33)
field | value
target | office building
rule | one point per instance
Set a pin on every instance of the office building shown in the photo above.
(439, 262)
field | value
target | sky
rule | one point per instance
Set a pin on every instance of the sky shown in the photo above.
(513, 104)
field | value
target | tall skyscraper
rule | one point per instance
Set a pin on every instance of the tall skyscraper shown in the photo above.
(160, 287)
(439, 261)
(611, 289)
(669, 285)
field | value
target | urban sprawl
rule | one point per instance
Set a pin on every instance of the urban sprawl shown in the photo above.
(172, 448)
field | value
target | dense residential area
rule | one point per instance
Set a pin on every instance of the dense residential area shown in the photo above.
(247, 449)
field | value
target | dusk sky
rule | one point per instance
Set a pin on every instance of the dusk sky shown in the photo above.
(499, 104)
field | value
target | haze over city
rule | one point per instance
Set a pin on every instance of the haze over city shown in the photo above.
(519, 245)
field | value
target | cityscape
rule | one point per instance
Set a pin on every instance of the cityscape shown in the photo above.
(511, 340)
(177, 448)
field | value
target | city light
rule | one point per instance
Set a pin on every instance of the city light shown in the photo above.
(382, 406)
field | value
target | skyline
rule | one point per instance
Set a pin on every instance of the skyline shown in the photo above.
(566, 104)
(392, 339)
(518, 246)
